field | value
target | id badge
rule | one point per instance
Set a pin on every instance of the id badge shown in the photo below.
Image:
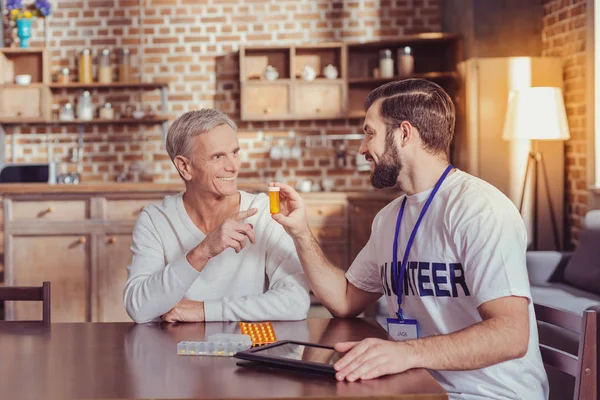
(403, 330)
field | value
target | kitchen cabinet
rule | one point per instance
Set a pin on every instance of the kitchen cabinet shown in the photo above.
(80, 242)
(300, 90)
(64, 260)
(327, 219)
(319, 100)
(290, 96)
(24, 102)
(266, 102)
(362, 213)
(114, 253)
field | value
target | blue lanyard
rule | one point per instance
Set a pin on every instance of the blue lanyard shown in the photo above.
(399, 280)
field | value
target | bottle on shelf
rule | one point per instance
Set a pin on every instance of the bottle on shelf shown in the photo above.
(386, 64)
(406, 62)
(107, 112)
(105, 74)
(85, 110)
(66, 112)
(85, 66)
(63, 76)
(125, 66)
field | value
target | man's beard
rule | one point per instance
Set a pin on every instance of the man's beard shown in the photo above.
(389, 166)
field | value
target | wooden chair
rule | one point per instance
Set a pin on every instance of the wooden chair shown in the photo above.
(584, 366)
(29, 293)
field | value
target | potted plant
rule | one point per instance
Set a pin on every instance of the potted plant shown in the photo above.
(23, 16)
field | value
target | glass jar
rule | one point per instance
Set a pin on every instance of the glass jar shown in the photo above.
(386, 64)
(85, 110)
(406, 62)
(85, 66)
(104, 67)
(107, 112)
(64, 76)
(125, 66)
(66, 112)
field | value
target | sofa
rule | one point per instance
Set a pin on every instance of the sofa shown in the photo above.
(570, 281)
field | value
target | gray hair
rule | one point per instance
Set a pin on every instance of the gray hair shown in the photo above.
(190, 125)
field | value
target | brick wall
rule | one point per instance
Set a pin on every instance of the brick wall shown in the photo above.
(563, 35)
(192, 44)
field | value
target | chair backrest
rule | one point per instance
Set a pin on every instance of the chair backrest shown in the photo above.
(584, 366)
(29, 293)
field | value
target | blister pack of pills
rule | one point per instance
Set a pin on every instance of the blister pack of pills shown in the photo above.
(260, 333)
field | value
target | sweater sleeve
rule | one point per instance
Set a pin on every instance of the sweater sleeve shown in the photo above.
(153, 288)
(287, 297)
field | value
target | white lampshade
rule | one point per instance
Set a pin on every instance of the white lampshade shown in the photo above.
(536, 113)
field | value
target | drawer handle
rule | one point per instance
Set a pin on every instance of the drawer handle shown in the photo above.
(320, 212)
(267, 110)
(82, 240)
(111, 240)
(317, 110)
(48, 210)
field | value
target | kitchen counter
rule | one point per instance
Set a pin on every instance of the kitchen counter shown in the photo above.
(79, 238)
(13, 189)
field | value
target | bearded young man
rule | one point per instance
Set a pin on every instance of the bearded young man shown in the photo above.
(448, 255)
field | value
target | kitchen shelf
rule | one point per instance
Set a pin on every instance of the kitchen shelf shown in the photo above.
(18, 50)
(14, 85)
(115, 85)
(97, 121)
(292, 98)
(427, 75)
(266, 82)
(408, 39)
(356, 114)
(320, 80)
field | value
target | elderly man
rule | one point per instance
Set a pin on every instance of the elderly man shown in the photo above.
(212, 252)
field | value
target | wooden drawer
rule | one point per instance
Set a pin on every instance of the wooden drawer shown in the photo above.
(59, 210)
(263, 102)
(329, 232)
(319, 100)
(24, 102)
(64, 261)
(317, 210)
(126, 209)
(338, 255)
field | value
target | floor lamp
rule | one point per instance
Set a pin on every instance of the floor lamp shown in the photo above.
(537, 113)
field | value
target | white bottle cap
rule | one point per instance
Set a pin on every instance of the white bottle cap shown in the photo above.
(273, 188)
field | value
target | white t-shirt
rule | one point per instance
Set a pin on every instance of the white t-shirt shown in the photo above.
(469, 249)
(264, 281)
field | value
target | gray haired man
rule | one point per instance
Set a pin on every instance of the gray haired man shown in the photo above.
(212, 252)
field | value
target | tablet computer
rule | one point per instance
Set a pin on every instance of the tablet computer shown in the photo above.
(289, 354)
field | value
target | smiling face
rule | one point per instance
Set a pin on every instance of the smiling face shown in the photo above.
(214, 163)
(380, 150)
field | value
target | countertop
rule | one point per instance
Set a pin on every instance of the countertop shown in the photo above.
(165, 188)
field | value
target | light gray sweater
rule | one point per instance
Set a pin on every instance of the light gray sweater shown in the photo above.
(263, 282)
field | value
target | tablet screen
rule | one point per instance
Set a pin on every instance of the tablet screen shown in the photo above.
(301, 352)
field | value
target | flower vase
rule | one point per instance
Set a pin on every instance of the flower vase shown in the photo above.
(24, 31)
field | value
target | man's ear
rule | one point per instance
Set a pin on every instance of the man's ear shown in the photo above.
(183, 165)
(405, 133)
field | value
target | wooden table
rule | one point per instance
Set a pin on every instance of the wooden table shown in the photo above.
(124, 360)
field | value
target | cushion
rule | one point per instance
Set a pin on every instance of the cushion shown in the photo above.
(560, 295)
(583, 269)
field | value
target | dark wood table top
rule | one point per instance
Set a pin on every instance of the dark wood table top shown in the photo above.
(124, 360)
